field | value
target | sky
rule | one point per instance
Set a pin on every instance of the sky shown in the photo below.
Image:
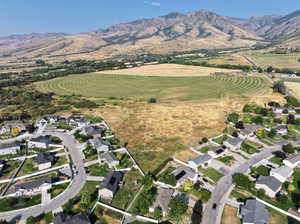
(74, 16)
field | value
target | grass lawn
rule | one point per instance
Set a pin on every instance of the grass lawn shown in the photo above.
(220, 139)
(207, 148)
(276, 160)
(163, 88)
(211, 173)
(8, 204)
(127, 192)
(58, 189)
(229, 215)
(28, 167)
(228, 160)
(276, 217)
(249, 148)
(261, 170)
(99, 170)
(9, 169)
(61, 160)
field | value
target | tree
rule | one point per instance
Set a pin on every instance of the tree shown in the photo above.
(291, 188)
(85, 200)
(260, 133)
(234, 117)
(15, 132)
(281, 198)
(187, 186)
(177, 207)
(31, 220)
(40, 62)
(279, 87)
(204, 140)
(259, 120)
(272, 133)
(240, 125)
(288, 148)
(152, 100)
(270, 69)
(248, 108)
(290, 119)
(158, 213)
(197, 213)
(261, 193)
(292, 101)
(148, 181)
(242, 180)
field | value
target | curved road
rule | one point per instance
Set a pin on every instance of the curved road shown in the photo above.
(74, 188)
(213, 216)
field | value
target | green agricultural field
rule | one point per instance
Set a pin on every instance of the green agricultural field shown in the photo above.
(163, 88)
(276, 60)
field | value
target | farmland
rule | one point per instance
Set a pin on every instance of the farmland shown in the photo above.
(168, 70)
(163, 88)
(276, 60)
(294, 87)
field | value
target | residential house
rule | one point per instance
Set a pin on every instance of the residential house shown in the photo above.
(233, 143)
(99, 144)
(281, 110)
(183, 174)
(281, 129)
(268, 183)
(292, 161)
(30, 188)
(79, 218)
(254, 212)
(50, 119)
(110, 159)
(8, 127)
(111, 184)
(45, 160)
(41, 142)
(200, 161)
(78, 121)
(9, 149)
(249, 131)
(91, 131)
(163, 197)
(282, 173)
(217, 152)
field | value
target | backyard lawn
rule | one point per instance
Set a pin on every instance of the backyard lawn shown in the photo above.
(207, 148)
(28, 167)
(230, 215)
(99, 170)
(58, 189)
(211, 173)
(9, 169)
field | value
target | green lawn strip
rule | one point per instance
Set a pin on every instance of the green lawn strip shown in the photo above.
(99, 170)
(220, 139)
(250, 149)
(260, 170)
(211, 173)
(127, 192)
(277, 217)
(207, 148)
(9, 169)
(228, 160)
(11, 203)
(28, 167)
(61, 160)
(58, 189)
(276, 160)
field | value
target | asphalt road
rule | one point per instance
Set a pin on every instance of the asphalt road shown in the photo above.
(75, 187)
(213, 216)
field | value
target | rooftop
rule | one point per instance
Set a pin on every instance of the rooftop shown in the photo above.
(234, 141)
(270, 182)
(293, 158)
(254, 212)
(44, 157)
(112, 181)
(42, 139)
(201, 159)
(283, 171)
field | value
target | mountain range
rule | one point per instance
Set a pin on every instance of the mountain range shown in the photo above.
(174, 32)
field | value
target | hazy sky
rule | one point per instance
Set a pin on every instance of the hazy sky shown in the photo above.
(73, 16)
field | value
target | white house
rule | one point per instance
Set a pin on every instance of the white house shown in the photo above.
(78, 121)
(42, 142)
(30, 188)
(292, 161)
(9, 149)
(200, 161)
(111, 184)
(282, 173)
(233, 143)
(268, 183)
(44, 160)
(184, 173)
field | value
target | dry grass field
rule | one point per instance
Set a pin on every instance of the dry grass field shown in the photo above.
(155, 132)
(294, 87)
(230, 215)
(233, 59)
(168, 70)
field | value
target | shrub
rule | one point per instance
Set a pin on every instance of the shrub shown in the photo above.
(234, 117)
(158, 213)
(177, 208)
(152, 100)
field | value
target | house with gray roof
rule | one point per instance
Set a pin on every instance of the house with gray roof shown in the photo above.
(41, 142)
(110, 159)
(249, 131)
(282, 173)
(270, 184)
(45, 160)
(78, 121)
(111, 184)
(163, 197)
(254, 212)
(79, 218)
(233, 143)
(91, 131)
(292, 161)
(183, 174)
(10, 149)
(200, 161)
(30, 188)
(281, 129)
(99, 144)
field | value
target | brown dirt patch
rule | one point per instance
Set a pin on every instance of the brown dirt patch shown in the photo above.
(295, 87)
(230, 215)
